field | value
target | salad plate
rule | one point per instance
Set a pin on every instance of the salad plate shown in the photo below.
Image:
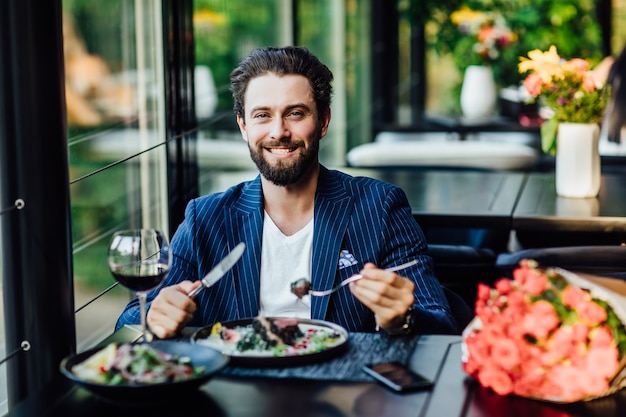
(205, 361)
(319, 340)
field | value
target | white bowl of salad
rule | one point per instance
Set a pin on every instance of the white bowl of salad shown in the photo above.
(143, 371)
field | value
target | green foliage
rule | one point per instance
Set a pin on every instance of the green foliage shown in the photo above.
(570, 25)
(548, 135)
(227, 30)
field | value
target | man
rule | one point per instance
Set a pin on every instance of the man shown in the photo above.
(298, 220)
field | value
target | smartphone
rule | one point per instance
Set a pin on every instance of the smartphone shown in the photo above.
(397, 376)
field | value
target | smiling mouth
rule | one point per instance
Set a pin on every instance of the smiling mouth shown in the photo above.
(281, 151)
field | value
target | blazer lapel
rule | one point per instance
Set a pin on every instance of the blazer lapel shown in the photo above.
(333, 207)
(244, 222)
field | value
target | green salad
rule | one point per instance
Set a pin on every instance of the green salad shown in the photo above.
(134, 364)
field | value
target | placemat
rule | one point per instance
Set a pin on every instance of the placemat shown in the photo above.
(362, 348)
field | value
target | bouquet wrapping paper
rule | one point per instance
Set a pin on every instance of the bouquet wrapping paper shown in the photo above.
(549, 334)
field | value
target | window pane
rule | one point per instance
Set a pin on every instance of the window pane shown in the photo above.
(115, 108)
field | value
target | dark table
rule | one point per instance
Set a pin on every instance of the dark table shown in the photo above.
(543, 219)
(437, 357)
(455, 198)
(539, 208)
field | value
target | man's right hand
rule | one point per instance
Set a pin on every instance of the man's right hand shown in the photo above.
(172, 309)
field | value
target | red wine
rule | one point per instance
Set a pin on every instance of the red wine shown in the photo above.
(140, 277)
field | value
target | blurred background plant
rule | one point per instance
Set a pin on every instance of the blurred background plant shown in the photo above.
(485, 33)
(572, 26)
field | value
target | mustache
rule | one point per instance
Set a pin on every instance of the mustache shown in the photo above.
(282, 142)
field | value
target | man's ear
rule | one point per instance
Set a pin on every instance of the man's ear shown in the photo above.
(325, 123)
(242, 127)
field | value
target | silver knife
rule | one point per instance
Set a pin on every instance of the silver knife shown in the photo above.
(220, 269)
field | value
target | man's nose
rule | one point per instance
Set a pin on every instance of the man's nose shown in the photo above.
(279, 128)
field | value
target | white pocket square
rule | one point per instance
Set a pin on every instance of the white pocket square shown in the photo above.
(346, 259)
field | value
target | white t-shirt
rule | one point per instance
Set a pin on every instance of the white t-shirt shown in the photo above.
(284, 259)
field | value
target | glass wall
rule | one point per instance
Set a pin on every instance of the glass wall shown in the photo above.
(115, 109)
(116, 137)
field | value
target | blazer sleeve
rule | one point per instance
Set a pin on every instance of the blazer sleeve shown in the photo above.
(405, 240)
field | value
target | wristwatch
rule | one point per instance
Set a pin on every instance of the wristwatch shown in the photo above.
(407, 325)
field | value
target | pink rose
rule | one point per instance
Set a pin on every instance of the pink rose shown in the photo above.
(536, 283)
(580, 332)
(578, 65)
(478, 348)
(591, 313)
(540, 320)
(567, 379)
(562, 343)
(505, 353)
(602, 361)
(485, 313)
(503, 286)
(593, 384)
(490, 376)
(533, 84)
(589, 83)
(573, 296)
(471, 366)
(483, 294)
(493, 331)
(602, 337)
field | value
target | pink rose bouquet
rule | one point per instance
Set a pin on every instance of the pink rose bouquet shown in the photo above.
(542, 335)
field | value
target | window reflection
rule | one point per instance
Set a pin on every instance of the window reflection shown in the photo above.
(93, 94)
(116, 134)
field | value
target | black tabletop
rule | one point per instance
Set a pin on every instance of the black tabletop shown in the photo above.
(437, 357)
(455, 198)
(539, 207)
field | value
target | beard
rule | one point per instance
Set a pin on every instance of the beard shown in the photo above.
(286, 173)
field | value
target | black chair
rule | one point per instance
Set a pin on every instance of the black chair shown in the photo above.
(462, 312)
(606, 260)
(460, 268)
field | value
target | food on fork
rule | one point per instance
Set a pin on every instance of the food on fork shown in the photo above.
(301, 287)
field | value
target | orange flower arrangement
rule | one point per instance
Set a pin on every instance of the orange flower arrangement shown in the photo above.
(540, 336)
(489, 32)
(568, 88)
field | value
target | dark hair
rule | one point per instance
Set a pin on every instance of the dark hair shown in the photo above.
(283, 61)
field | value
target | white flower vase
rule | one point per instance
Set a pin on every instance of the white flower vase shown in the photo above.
(478, 93)
(577, 160)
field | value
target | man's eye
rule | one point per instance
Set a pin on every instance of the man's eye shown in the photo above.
(297, 113)
(260, 116)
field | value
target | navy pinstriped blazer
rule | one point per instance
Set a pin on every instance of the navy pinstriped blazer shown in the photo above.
(368, 218)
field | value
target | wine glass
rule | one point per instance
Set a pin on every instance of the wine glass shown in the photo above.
(140, 259)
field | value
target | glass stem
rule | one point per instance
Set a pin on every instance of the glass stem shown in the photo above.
(147, 335)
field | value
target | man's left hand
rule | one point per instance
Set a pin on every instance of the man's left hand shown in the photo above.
(387, 294)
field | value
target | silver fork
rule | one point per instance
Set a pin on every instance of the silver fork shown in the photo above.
(357, 277)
